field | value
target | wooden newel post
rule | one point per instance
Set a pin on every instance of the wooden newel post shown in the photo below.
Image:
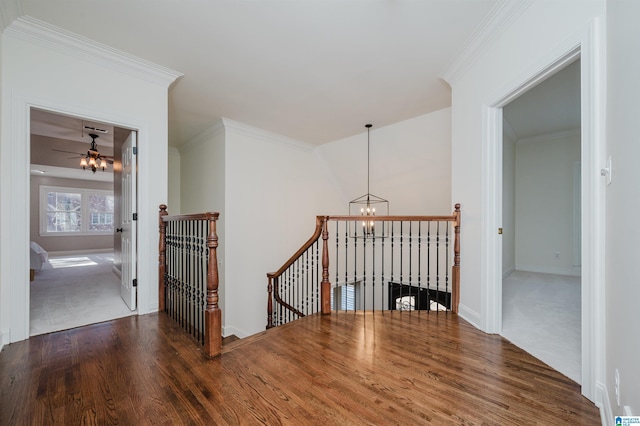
(212, 313)
(325, 289)
(270, 302)
(162, 256)
(456, 260)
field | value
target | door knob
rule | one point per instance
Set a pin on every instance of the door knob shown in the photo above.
(118, 229)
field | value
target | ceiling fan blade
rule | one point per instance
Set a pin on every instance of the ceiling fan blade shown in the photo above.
(68, 152)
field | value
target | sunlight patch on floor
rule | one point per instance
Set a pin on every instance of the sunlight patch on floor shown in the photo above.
(71, 262)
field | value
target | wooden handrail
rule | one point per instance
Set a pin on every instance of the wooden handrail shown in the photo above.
(325, 285)
(273, 291)
(305, 246)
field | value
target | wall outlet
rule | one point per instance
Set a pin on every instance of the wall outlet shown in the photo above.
(558, 256)
(616, 386)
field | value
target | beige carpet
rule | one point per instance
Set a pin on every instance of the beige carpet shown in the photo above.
(72, 291)
(541, 314)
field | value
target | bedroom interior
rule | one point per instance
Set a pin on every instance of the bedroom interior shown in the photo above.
(74, 278)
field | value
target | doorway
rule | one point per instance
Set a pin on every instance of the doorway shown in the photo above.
(541, 252)
(75, 211)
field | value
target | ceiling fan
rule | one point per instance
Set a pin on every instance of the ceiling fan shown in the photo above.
(92, 159)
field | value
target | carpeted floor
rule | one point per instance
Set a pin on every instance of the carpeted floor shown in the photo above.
(72, 291)
(541, 314)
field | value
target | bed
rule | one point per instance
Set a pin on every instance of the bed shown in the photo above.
(38, 257)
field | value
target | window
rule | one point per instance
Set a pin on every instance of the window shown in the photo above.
(75, 211)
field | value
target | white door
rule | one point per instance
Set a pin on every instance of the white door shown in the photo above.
(128, 285)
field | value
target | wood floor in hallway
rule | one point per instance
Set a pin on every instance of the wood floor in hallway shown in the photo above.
(345, 368)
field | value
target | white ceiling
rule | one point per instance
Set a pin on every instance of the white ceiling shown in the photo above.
(313, 70)
(552, 106)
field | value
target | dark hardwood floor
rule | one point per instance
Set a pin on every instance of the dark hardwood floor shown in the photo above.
(391, 368)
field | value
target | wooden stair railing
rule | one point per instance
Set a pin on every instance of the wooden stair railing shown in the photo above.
(429, 272)
(188, 276)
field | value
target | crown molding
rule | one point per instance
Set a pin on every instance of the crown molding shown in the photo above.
(9, 11)
(496, 22)
(41, 33)
(565, 134)
(508, 130)
(216, 129)
(268, 136)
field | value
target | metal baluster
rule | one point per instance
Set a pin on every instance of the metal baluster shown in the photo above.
(382, 281)
(401, 256)
(419, 265)
(446, 285)
(411, 264)
(373, 273)
(437, 264)
(429, 265)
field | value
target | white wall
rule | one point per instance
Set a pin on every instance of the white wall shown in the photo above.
(544, 203)
(623, 203)
(50, 71)
(537, 36)
(274, 189)
(508, 202)
(410, 165)
(202, 189)
(173, 189)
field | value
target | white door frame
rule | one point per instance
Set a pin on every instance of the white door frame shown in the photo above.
(17, 213)
(584, 46)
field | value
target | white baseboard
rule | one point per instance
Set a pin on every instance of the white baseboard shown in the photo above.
(117, 272)
(5, 337)
(79, 252)
(603, 402)
(469, 315)
(557, 270)
(229, 331)
(508, 271)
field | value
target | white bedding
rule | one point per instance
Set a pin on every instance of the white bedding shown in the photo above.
(39, 256)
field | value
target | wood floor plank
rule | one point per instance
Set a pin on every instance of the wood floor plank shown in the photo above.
(345, 368)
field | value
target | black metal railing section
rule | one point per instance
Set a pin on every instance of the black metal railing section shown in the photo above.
(188, 276)
(408, 263)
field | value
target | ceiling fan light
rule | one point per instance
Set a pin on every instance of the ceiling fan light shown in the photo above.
(83, 162)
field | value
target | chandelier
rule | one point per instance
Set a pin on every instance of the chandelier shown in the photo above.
(93, 160)
(365, 206)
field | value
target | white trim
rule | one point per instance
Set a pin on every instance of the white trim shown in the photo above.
(544, 269)
(216, 129)
(508, 131)
(117, 272)
(229, 331)
(267, 136)
(79, 252)
(174, 151)
(469, 315)
(603, 402)
(9, 11)
(499, 19)
(49, 36)
(5, 337)
(510, 270)
(588, 45)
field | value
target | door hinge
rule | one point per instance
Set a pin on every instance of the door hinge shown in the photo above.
(135, 150)
(135, 282)
(135, 216)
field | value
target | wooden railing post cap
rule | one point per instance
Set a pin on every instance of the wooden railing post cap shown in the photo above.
(457, 206)
(163, 207)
